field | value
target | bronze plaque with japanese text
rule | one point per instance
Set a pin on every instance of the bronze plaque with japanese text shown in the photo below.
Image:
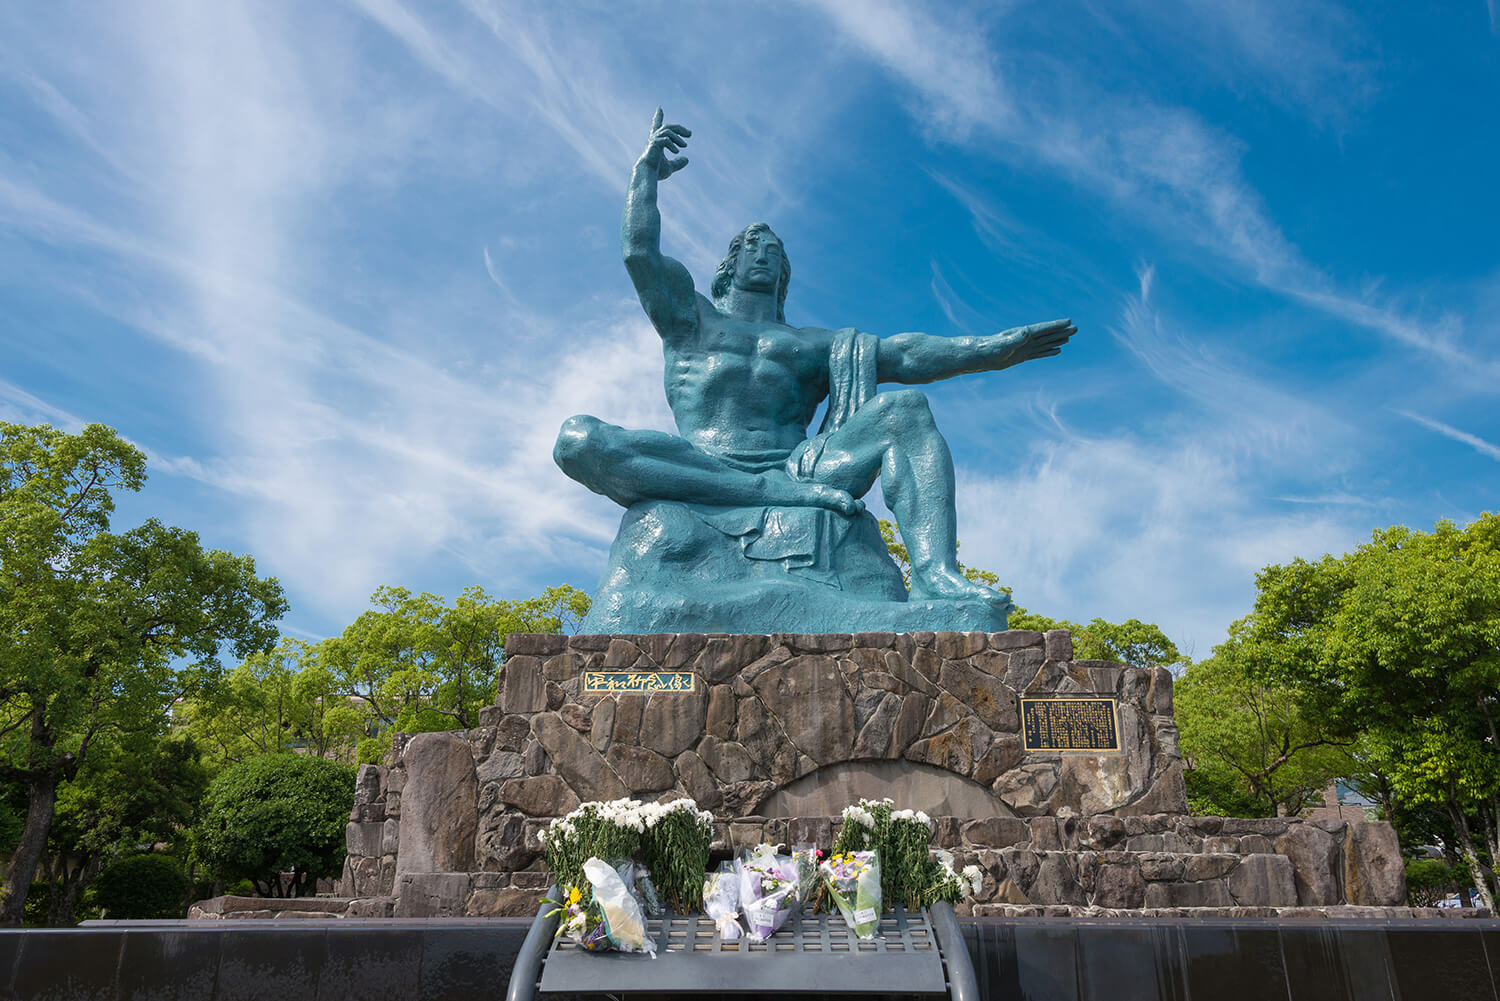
(1069, 724)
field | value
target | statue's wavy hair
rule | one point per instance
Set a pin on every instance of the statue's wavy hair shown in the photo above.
(724, 277)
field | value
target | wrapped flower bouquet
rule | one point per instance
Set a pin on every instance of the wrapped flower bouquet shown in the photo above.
(853, 881)
(768, 890)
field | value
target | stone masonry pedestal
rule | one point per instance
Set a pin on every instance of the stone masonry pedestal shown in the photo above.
(781, 731)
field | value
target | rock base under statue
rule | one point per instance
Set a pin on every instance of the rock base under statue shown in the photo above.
(691, 568)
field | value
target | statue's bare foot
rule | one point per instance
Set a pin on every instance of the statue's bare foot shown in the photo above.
(951, 585)
(803, 493)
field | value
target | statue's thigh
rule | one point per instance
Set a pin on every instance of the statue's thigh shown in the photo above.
(851, 458)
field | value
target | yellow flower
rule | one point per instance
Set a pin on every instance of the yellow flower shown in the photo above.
(573, 895)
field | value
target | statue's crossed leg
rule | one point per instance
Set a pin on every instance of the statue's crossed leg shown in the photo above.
(891, 437)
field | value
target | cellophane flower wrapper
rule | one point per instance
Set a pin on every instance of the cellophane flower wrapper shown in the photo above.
(853, 881)
(768, 891)
(636, 875)
(721, 900)
(624, 919)
(806, 862)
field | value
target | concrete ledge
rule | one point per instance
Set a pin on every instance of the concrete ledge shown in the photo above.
(1065, 958)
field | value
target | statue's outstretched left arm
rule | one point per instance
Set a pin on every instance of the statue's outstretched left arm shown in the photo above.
(918, 358)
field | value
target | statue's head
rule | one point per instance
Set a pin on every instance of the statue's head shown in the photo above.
(756, 261)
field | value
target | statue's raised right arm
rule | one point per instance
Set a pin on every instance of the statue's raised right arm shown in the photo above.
(663, 284)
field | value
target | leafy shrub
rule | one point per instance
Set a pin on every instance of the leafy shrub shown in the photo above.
(142, 886)
(276, 814)
(1429, 880)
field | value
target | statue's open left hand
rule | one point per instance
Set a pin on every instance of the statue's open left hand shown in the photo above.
(1039, 340)
(664, 138)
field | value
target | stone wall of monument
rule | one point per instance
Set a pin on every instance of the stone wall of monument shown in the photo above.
(780, 732)
(1161, 864)
(792, 724)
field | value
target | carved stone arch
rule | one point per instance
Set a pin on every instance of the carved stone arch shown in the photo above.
(911, 785)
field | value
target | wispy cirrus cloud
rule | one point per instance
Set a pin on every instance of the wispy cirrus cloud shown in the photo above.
(1169, 521)
(1165, 165)
(1475, 442)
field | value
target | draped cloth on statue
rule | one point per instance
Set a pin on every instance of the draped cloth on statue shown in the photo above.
(803, 539)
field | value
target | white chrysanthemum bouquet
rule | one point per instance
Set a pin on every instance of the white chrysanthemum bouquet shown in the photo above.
(910, 873)
(591, 853)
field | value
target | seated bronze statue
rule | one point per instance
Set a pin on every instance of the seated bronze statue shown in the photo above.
(742, 523)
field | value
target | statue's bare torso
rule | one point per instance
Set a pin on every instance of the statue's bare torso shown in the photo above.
(744, 385)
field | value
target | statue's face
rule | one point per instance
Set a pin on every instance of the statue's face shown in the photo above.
(757, 268)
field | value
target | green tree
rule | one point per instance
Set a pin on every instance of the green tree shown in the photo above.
(99, 632)
(415, 664)
(1130, 642)
(274, 701)
(1400, 641)
(132, 793)
(279, 813)
(1251, 745)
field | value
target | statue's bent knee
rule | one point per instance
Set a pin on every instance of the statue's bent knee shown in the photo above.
(905, 404)
(577, 441)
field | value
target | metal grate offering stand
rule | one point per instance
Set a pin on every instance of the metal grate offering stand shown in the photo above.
(914, 952)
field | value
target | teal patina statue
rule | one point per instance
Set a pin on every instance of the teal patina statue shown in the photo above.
(744, 524)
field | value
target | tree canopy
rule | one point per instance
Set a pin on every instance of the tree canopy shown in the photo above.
(413, 664)
(1251, 744)
(1398, 643)
(99, 631)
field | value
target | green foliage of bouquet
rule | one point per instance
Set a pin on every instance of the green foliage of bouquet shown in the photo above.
(909, 873)
(609, 830)
(674, 847)
(671, 838)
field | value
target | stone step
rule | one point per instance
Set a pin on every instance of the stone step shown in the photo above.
(1336, 913)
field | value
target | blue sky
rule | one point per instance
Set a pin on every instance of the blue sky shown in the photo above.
(342, 269)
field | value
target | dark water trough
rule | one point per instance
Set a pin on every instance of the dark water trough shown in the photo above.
(1026, 959)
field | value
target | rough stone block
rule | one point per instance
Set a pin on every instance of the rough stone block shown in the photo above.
(1373, 869)
(958, 646)
(1058, 644)
(523, 689)
(364, 839)
(1015, 639)
(808, 696)
(1162, 866)
(431, 894)
(440, 806)
(1055, 881)
(1314, 854)
(997, 832)
(1208, 893)
(1119, 886)
(535, 644)
(874, 740)
(672, 722)
(874, 641)
(575, 759)
(501, 902)
(641, 770)
(539, 795)
(1200, 867)
(372, 907)
(1268, 826)
(696, 780)
(1159, 700)
(1263, 880)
